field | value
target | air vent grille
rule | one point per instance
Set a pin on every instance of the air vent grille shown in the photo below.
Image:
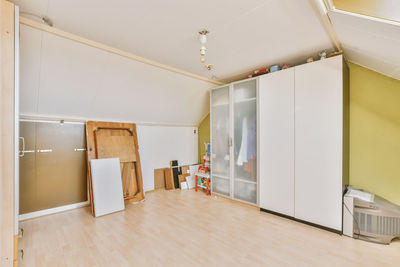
(379, 225)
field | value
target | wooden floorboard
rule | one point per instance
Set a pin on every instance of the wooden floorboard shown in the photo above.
(185, 228)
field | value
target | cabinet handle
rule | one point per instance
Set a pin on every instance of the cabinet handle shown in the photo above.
(44, 150)
(21, 232)
(22, 152)
(230, 142)
(79, 149)
(28, 151)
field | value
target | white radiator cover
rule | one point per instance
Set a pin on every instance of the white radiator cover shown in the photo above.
(376, 221)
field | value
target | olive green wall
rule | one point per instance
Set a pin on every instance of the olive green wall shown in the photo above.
(204, 136)
(375, 132)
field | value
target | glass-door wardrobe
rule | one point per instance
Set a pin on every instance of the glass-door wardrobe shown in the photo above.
(234, 141)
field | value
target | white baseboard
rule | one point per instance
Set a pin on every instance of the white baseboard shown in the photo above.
(147, 189)
(40, 213)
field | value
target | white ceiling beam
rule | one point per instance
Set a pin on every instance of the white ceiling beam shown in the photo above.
(386, 21)
(322, 7)
(381, 9)
(74, 119)
(329, 4)
(79, 39)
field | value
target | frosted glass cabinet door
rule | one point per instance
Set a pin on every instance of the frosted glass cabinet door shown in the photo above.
(220, 157)
(245, 141)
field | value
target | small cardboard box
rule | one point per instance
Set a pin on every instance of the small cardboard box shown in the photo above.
(185, 170)
(159, 180)
(182, 179)
(184, 185)
(191, 181)
(169, 179)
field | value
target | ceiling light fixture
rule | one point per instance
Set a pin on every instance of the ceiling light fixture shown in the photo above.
(203, 40)
(209, 66)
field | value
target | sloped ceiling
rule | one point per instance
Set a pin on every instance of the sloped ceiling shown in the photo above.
(244, 35)
(369, 42)
(65, 79)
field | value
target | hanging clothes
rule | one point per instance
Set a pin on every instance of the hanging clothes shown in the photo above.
(242, 157)
(252, 141)
(251, 166)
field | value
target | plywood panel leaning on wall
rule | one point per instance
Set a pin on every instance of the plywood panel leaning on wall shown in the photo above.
(169, 179)
(159, 180)
(7, 152)
(116, 140)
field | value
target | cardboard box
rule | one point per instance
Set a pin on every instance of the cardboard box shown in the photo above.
(191, 182)
(185, 170)
(193, 169)
(169, 179)
(159, 179)
(183, 185)
(182, 179)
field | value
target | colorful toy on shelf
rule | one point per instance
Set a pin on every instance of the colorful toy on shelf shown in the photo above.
(203, 174)
(207, 156)
(258, 72)
(322, 55)
(203, 179)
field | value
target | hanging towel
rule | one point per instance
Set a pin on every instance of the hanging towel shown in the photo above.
(242, 157)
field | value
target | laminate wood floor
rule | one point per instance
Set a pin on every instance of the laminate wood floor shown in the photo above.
(185, 228)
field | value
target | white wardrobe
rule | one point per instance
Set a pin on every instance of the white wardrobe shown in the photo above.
(303, 141)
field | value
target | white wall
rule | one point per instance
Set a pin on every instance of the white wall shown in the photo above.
(65, 79)
(158, 145)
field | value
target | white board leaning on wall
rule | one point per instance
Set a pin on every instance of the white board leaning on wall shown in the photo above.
(107, 186)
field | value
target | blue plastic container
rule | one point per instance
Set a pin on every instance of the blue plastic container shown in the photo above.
(274, 68)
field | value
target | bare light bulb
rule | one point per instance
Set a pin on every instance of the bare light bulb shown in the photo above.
(203, 50)
(203, 41)
(203, 38)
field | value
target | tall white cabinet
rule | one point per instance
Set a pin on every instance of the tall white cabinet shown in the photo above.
(303, 128)
(234, 141)
(319, 132)
(276, 123)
